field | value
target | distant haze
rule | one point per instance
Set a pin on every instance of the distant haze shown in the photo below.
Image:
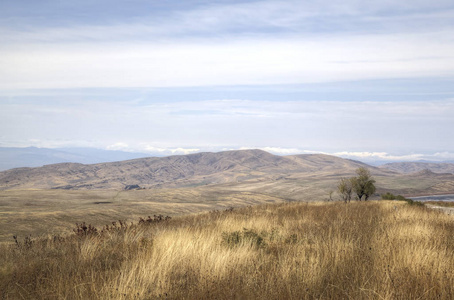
(37, 157)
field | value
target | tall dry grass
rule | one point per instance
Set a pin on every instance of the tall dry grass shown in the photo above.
(364, 250)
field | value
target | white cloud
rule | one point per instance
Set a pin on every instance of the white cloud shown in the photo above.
(443, 156)
(248, 18)
(252, 43)
(167, 151)
(118, 146)
(282, 151)
(377, 157)
(252, 61)
(259, 42)
(282, 127)
(367, 156)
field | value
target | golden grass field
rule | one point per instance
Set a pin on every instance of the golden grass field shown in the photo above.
(43, 212)
(441, 203)
(50, 212)
(360, 250)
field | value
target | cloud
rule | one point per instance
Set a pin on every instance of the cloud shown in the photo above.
(118, 146)
(168, 151)
(233, 19)
(251, 43)
(282, 151)
(381, 157)
(240, 62)
(443, 156)
(306, 47)
(368, 156)
(277, 126)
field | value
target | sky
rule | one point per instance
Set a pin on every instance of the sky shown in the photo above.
(368, 80)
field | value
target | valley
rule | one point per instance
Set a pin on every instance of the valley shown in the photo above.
(51, 199)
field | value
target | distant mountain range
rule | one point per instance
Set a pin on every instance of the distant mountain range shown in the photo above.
(413, 167)
(37, 157)
(177, 171)
(305, 176)
(31, 157)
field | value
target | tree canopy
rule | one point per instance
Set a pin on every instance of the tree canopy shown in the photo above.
(345, 188)
(363, 185)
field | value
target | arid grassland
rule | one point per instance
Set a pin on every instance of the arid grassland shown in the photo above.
(54, 211)
(441, 203)
(361, 250)
(49, 212)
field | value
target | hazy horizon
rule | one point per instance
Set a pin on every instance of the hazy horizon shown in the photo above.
(19, 157)
(362, 81)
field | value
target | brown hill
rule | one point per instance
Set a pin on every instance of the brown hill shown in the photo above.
(328, 163)
(175, 171)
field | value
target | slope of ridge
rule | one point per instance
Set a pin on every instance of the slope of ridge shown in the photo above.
(323, 162)
(172, 171)
(413, 167)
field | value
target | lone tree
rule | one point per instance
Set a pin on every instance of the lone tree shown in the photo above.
(363, 184)
(344, 188)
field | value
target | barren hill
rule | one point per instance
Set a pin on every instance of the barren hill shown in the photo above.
(413, 167)
(328, 163)
(174, 171)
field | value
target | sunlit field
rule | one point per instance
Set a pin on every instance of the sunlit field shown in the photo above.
(361, 250)
(441, 203)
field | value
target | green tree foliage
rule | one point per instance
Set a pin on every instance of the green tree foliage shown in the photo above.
(345, 188)
(390, 196)
(363, 184)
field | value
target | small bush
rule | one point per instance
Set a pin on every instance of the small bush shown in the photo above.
(390, 196)
(155, 219)
(84, 229)
(247, 236)
(416, 203)
(27, 244)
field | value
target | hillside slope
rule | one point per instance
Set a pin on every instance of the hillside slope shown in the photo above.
(174, 171)
(413, 167)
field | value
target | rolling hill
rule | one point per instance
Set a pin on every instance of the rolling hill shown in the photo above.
(177, 171)
(52, 198)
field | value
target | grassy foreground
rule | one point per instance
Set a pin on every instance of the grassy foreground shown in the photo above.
(441, 203)
(362, 250)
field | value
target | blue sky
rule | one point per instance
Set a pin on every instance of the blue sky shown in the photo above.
(365, 80)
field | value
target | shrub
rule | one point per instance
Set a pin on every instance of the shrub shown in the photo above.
(245, 237)
(388, 196)
(416, 203)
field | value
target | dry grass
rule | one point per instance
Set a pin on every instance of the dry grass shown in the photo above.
(363, 250)
(441, 203)
(50, 212)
